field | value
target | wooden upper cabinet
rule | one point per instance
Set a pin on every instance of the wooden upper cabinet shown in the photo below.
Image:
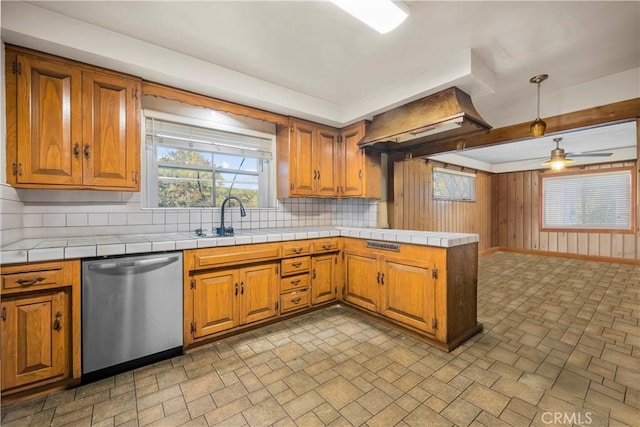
(313, 160)
(361, 173)
(111, 138)
(70, 125)
(49, 116)
(302, 168)
(327, 163)
(318, 161)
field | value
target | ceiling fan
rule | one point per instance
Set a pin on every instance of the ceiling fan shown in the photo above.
(559, 159)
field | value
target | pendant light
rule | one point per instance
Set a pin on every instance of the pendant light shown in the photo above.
(558, 160)
(538, 126)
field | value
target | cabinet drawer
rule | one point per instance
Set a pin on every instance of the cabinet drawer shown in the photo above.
(325, 245)
(292, 283)
(294, 301)
(295, 265)
(296, 248)
(33, 279)
(234, 255)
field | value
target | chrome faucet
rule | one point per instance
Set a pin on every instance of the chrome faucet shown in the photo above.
(229, 231)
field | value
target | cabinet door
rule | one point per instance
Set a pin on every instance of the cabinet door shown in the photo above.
(302, 172)
(327, 159)
(323, 278)
(408, 295)
(111, 130)
(49, 122)
(353, 161)
(215, 302)
(258, 292)
(361, 281)
(35, 335)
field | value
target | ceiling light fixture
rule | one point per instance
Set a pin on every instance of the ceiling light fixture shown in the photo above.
(558, 160)
(381, 15)
(538, 126)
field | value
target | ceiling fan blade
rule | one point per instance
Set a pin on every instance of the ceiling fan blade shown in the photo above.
(589, 154)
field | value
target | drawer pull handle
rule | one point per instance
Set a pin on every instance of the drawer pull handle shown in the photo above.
(326, 247)
(56, 324)
(24, 282)
(295, 282)
(296, 300)
(297, 250)
(296, 264)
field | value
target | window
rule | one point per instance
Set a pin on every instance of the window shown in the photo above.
(588, 201)
(453, 185)
(192, 165)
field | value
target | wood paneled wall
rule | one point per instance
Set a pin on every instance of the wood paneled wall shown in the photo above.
(505, 213)
(414, 209)
(516, 224)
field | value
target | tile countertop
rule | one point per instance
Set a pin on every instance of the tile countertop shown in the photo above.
(32, 250)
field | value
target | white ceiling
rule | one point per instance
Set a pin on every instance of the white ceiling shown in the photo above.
(617, 139)
(312, 60)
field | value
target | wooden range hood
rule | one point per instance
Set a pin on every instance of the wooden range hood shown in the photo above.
(444, 115)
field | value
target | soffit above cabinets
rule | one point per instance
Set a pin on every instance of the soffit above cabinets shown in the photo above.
(312, 60)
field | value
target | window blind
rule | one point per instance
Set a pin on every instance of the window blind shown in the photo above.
(601, 200)
(179, 135)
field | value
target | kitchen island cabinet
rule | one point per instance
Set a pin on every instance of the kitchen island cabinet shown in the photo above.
(430, 291)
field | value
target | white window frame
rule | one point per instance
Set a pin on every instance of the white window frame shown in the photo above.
(453, 173)
(266, 175)
(626, 175)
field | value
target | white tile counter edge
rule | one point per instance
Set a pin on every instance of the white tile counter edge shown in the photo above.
(31, 250)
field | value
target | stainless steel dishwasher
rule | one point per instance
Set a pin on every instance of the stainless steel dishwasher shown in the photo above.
(131, 312)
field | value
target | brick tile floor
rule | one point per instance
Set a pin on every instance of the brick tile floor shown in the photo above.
(560, 346)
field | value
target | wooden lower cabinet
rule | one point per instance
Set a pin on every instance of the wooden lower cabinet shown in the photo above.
(40, 325)
(324, 277)
(35, 332)
(226, 298)
(431, 291)
(361, 272)
(408, 294)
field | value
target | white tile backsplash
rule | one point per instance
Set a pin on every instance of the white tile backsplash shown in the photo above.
(59, 214)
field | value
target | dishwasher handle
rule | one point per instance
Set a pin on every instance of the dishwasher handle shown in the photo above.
(114, 266)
